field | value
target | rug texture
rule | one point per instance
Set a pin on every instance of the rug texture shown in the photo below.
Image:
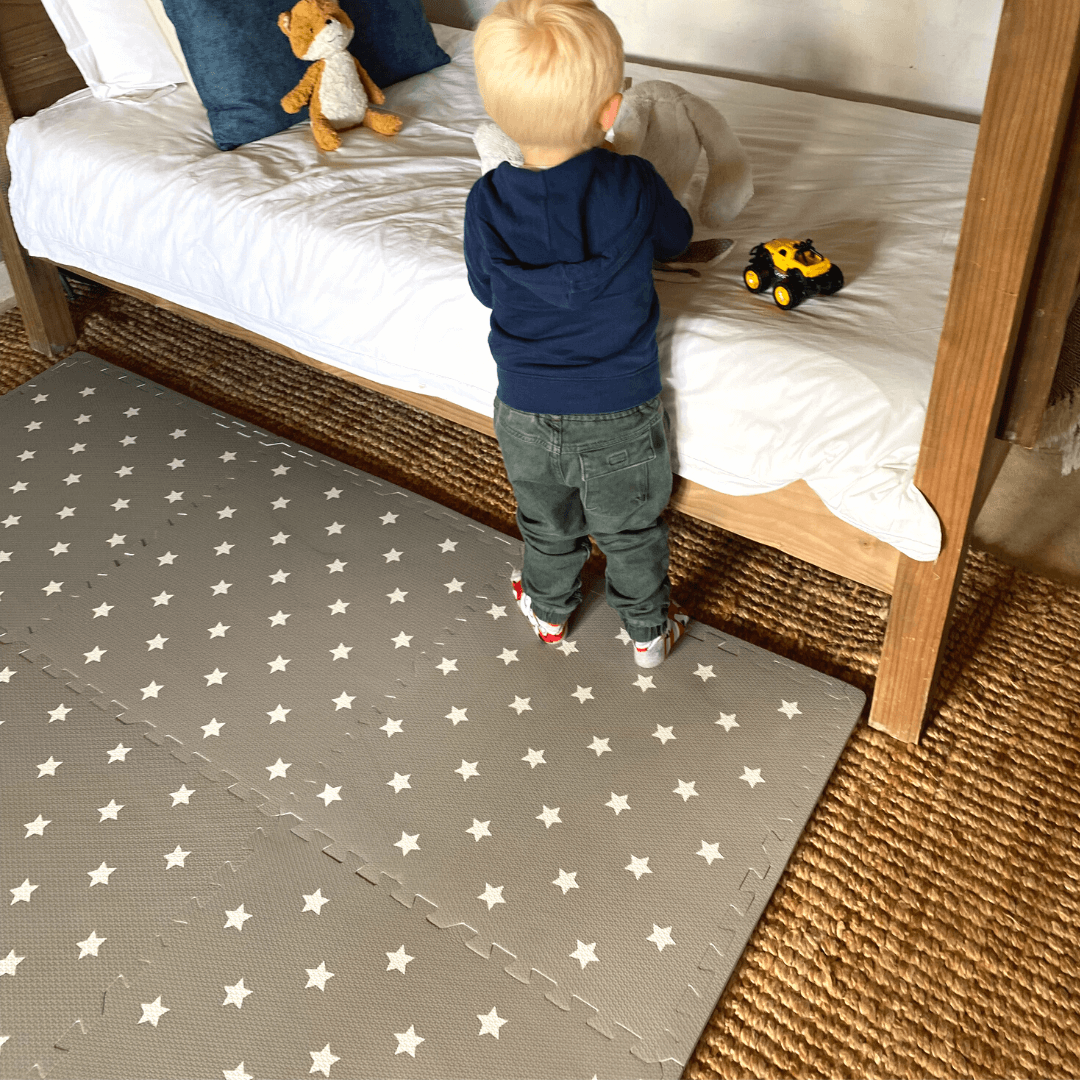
(927, 923)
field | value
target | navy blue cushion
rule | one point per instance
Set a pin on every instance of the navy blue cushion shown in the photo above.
(243, 65)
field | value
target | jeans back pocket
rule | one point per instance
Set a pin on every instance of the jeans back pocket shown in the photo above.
(616, 478)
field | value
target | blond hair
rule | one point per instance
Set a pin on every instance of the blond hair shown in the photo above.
(546, 68)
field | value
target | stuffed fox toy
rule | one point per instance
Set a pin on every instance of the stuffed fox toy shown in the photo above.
(335, 87)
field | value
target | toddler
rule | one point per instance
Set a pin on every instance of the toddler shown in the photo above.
(561, 250)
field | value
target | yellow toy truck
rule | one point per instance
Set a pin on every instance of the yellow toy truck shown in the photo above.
(795, 270)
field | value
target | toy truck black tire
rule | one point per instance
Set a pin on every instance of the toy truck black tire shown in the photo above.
(832, 280)
(759, 274)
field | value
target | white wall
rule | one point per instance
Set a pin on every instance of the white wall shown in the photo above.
(933, 54)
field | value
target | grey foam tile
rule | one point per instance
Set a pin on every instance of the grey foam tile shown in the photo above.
(298, 967)
(104, 836)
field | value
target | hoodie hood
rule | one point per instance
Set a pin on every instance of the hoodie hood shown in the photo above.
(563, 234)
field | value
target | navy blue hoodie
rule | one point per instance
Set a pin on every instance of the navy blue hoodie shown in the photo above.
(563, 257)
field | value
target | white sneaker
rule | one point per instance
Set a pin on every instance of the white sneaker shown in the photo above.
(552, 633)
(650, 654)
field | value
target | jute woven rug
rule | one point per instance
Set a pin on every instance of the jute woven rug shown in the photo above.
(927, 924)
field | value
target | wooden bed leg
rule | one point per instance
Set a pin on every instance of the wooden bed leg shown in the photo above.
(1029, 100)
(38, 293)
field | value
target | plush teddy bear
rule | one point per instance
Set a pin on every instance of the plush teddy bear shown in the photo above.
(670, 127)
(336, 88)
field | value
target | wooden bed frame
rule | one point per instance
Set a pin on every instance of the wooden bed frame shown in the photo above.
(1014, 283)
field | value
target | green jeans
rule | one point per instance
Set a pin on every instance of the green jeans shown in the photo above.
(607, 475)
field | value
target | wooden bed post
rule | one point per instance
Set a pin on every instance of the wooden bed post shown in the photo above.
(1028, 106)
(34, 63)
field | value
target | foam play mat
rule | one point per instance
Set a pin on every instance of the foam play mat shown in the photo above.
(290, 787)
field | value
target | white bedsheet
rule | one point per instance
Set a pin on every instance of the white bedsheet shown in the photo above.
(355, 258)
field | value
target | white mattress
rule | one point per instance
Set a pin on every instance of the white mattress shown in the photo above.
(355, 258)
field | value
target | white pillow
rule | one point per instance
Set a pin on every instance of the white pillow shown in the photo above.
(117, 45)
(157, 10)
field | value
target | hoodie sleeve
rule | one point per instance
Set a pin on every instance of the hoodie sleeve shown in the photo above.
(672, 225)
(477, 260)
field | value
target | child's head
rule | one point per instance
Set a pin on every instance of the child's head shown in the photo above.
(546, 69)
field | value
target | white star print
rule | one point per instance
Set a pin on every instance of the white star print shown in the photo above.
(279, 577)
(790, 709)
(727, 721)
(48, 768)
(685, 789)
(479, 830)
(118, 752)
(453, 585)
(178, 433)
(496, 611)
(121, 504)
(100, 876)
(221, 588)
(174, 496)
(280, 503)
(388, 518)
(217, 631)
(36, 827)
(314, 901)
(660, 937)
(391, 727)
(182, 795)
(86, 391)
(176, 857)
(338, 607)
(156, 643)
(279, 664)
(623, 636)
(59, 713)
(66, 512)
(709, 852)
(752, 776)
(90, 946)
(393, 555)
(277, 716)
(585, 954)
(234, 995)
(448, 545)
(237, 917)
(239, 1073)
(278, 619)
(583, 694)
(645, 682)
(167, 559)
(6, 674)
(329, 794)
(618, 803)
(281, 470)
(342, 651)
(663, 734)
(60, 549)
(152, 1011)
(508, 656)
(279, 768)
(398, 960)
(408, 843)
(18, 486)
(279, 538)
(600, 746)
(397, 596)
(336, 567)
(216, 677)
(102, 610)
(226, 512)
(520, 704)
(402, 640)
(408, 1041)
(110, 812)
(550, 817)
(22, 892)
(490, 1023)
(638, 866)
(468, 768)
(705, 672)
(10, 963)
(152, 690)
(334, 529)
(566, 881)
(534, 758)
(10, 520)
(399, 783)
(566, 647)
(333, 493)
(456, 715)
(447, 666)
(318, 976)
(52, 587)
(492, 895)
